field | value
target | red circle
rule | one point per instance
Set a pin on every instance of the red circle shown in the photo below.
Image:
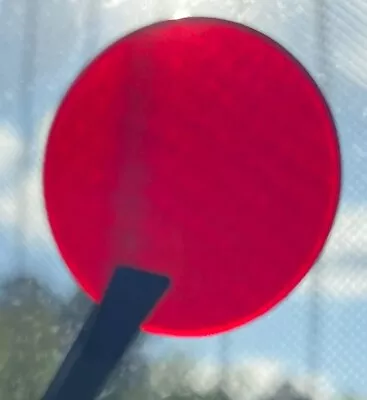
(200, 149)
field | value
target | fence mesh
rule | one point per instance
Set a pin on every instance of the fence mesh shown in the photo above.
(312, 346)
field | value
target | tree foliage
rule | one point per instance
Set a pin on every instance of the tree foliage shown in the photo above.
(30, 329)
(36, 331)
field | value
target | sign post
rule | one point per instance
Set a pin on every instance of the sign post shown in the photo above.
(107, 334)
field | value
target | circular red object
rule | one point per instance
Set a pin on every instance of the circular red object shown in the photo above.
(200, 149)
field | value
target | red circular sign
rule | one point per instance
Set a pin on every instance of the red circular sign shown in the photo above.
(200, 149)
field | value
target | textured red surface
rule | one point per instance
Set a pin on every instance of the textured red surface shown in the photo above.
(200, 149)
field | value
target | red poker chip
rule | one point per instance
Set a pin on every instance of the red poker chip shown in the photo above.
(199, 149)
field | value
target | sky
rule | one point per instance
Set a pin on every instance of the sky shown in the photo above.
(69, 34)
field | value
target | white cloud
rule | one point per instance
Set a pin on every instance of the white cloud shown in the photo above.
(349, 234)
(10, 149)
(318, 386)
(7, 210)
(342, 270)
(262, 14)
(36, 226)
(255, 377)
(181, 13)
(258, 377)
(337, 285)
(112, 3)
(41, 258)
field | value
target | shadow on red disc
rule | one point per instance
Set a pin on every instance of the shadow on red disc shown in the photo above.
(199, 149)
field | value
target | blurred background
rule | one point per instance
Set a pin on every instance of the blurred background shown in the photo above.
(313, 346)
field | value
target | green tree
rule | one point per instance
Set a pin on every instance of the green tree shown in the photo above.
(29, 327)
(36, 331)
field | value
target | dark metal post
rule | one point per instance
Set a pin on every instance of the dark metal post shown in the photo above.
(107, 334)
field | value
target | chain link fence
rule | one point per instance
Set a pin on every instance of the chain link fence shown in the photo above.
(312, 346)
